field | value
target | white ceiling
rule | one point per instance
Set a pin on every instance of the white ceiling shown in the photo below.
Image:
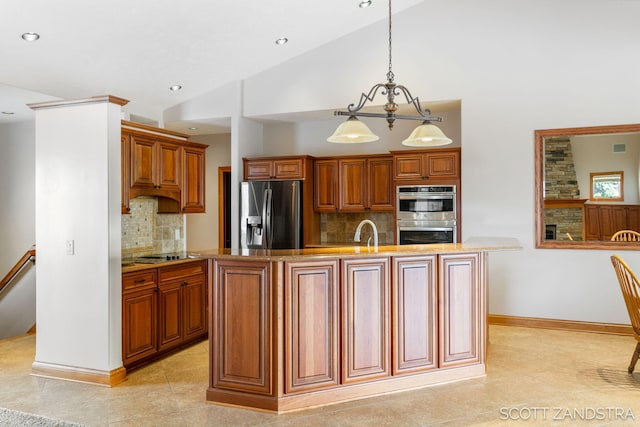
(136, 49)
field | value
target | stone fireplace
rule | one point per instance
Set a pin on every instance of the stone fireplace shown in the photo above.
(563, 207)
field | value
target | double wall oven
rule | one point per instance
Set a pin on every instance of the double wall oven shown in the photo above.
(426, 214)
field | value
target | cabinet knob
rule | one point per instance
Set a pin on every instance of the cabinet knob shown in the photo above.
(184, 284)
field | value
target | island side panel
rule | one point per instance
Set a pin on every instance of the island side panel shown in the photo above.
(462, 309)
(242, 327)
(311, 325)
(414, 307)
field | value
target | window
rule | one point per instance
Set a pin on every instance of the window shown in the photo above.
(607, 186)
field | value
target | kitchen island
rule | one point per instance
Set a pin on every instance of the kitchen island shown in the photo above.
(292, 329)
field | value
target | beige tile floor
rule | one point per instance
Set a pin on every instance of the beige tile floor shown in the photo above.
(534, 376)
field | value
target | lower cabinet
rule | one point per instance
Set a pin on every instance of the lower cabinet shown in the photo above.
(365, 319)
(289, 334)
(165, 310)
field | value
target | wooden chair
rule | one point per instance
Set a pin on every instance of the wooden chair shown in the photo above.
(626, 236)
(631, 292)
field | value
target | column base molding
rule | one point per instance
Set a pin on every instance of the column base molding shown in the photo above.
(80, 375)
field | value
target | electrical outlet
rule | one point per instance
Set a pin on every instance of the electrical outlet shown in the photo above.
(177, 233)
(70, 247)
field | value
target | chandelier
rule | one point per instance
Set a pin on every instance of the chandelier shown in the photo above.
(354, 131)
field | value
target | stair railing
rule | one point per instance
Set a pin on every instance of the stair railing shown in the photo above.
(30, 255)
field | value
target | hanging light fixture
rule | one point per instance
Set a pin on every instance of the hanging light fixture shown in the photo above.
(353, 130)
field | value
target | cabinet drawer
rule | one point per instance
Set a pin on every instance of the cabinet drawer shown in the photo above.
(175, 272)
(139, 280)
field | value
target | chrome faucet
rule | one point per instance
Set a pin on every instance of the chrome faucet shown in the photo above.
(356, 237)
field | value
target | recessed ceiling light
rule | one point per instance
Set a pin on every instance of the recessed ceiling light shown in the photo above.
(364, 4)
(282, 40)
(8, 113)
(192, 128)
(30, 37)
(175, 88)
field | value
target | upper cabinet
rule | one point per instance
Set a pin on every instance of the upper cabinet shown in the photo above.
(193, 179)
(125, 156)
(418, 165)
(270, 168)
(163, 164)
(354, 184)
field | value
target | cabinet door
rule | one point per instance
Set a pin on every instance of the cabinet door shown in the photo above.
(170, 315)
(125, 169)
(633, 218)
(408, 166)
(325, 183)
(380, 185)
(592, 222)
(143, 160)
(607, 222)
(258, 169)
(311, 325)
(353, 185)
(442, 165)
(194, 306)
(414, 308)
(243, 325)
(461, 320)
(169, 165)
(366, 352)
(139, 325)
(193, 181)
(288, 169)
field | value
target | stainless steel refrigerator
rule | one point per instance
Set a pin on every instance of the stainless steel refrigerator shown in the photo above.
(271, 215)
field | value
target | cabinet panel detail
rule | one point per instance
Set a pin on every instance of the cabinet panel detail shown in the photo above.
(242, 334)
(311, 325)
(365, 313)
(139, 328)
(170, 327)
(460, 311)
(414, 313)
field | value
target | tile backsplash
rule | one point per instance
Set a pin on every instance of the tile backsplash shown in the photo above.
(340, 227)
(144, 231)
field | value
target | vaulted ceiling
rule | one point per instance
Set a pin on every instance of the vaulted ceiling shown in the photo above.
(137, 49)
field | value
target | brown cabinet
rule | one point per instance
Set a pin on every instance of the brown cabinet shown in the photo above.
(366, 353)
(325, 192)
(161, 163)
(309, 331)
(155, 163)
(418, 165)
(181, 300)
(461, 310)
(162, 309)
(603, 220)
(243, 321)
(125, 169)
(193, 179)
(354, 184)
(268, 168)
(414, 314)
(311, 325)
(139, 316)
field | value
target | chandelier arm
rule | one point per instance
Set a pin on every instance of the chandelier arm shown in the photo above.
(364, 98)
(384, 116)
(414, 101)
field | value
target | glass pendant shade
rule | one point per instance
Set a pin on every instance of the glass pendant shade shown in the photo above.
(426, 135)
(352, 131)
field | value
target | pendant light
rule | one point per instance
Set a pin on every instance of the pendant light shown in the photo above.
(353, 130)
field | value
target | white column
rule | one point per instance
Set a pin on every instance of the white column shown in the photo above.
(78, 268)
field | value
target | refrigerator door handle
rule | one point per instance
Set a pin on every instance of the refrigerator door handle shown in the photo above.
(266, 219)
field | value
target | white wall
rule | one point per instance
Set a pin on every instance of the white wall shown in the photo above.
(202, 229)
(17, 233)
(77, 172)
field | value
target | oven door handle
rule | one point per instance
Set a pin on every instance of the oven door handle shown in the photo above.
(426, 197)
(404, 228)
